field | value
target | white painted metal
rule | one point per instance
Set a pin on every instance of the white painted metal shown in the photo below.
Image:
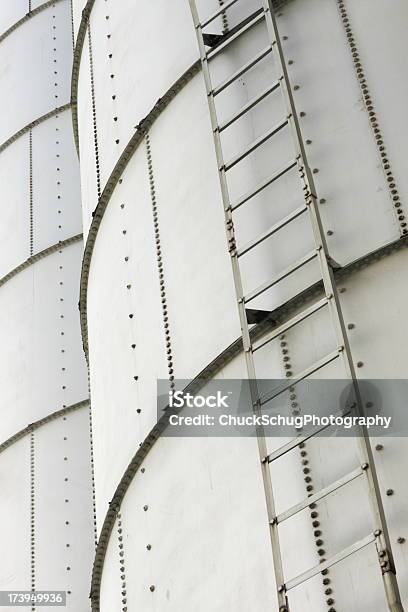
(15, 218)
(194, 307)
(28, 65)
(45, 472)
(32, 378)
(11, 13)
(15, 516)
(146, 38)
(63, 524)
(56, 182)
(206, 520)
(77, 8)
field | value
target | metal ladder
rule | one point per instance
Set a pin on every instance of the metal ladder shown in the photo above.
(379, 536)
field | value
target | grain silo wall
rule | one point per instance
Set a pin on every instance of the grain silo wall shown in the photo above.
(182, 522)
(45, 454)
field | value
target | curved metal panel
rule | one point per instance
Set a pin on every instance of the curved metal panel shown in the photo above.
(15, 210)
(41, 363)
(130, 263)
(342, 148)
(131, 350)
(15, 516)
(55, 182)
(30, 63)
(191, 569)
(120, 78)
(12, 12)
(63, 508)
(40, 181)
(110, 186)
(184, 184)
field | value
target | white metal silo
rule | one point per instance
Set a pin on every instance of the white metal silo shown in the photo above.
(45, 453)
(181, 177)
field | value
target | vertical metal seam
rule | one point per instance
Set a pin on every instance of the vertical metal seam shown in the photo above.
(91, 453)
(31, 194)
(122, 566)
(373, 119)
(72, 25)
(224, 17)
(112, 78)
(307, 475)
(95, 128)
(98, 188)
(160, 267)
(32, 514)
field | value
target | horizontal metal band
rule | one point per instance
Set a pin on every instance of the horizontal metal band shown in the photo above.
(33, 124)
(34, 258)
(37, 424)
(27, 17)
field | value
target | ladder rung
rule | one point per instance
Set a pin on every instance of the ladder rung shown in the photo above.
(241, 71)
(301, 316)
(255, 144)
(334, 486)
(294, 380)
(217, 13)
(261, 186)
(317, 569)
(248, 106)
(284, 274)
(246, 25)
(272, 230)
(286, 448)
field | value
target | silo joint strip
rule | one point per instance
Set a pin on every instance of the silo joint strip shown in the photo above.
(373, 119)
